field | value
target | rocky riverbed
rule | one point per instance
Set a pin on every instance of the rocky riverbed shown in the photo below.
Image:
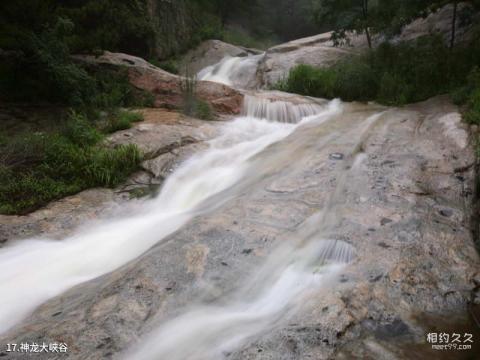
(397, 185)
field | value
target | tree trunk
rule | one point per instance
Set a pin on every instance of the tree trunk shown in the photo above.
(365, 19)
(454, 24)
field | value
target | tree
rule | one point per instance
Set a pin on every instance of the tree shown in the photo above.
(346, 16)
(367, 16)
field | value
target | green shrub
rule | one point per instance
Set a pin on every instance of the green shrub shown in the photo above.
(41, 167)
(394, 90)
(42, 68)
(355, 81)
(203, 110)
(170, 65)
(192, 105)
(240, 37)
(79, 130)
(110, 167)
(472, 114)
(121, 120)
(307, 80)
(391, 74)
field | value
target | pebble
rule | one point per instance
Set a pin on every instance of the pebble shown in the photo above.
(336, 156)
(446, 212)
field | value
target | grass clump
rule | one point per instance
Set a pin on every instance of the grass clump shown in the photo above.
(469, 96)
(40, 167)
(121, 120)
(192, 105)
(391, 74)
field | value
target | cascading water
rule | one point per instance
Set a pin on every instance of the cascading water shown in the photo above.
(239, 72)
(34, 270)
(306, 261)
(278, 109)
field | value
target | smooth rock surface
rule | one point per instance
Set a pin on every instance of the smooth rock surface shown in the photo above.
(166, 87)
(418, 264)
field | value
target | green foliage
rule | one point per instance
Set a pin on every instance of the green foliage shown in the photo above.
(170, 65)
(80, 132)
(121, 120)
(240, 37)
(469, 95)
(368, 16)
(203, 110)
(116, 25)
(348, 80)
(391, 74)
(192, 106)
(40, 167)
(42, 69)
(472, 115)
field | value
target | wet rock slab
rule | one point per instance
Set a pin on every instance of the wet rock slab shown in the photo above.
(410, 258)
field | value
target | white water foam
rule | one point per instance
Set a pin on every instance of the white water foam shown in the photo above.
(32, 271)
(303, 263)
(278, 110)
(35, 270)
(212, 331)
(238, 72)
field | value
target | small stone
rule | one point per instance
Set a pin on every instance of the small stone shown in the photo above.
(383, 245)
(446, 212)
(336, 156)
(246, 251)
(385, 221)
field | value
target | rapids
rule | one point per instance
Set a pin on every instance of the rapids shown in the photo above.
(238, 72)
(35, 270)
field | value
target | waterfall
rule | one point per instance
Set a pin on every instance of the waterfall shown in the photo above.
(278, 109)
(238, 72)
(35, 270)
(305, 261)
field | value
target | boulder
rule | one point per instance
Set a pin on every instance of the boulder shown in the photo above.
(440, 23)
(166, 87)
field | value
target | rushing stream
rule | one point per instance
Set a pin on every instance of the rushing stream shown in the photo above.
(35, 270)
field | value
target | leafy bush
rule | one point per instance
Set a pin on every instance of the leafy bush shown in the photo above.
(203, 110)
(391, 74)
(121, 120)
(80, 132)
(170, 66)
(42, 69)
(38, 168)
(469, 95)
(240, 37)
(472, 115)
